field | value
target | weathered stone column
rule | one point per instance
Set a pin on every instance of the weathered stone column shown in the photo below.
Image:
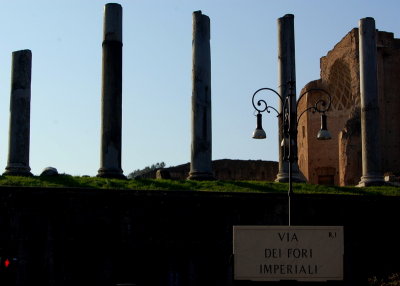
(20, 113)
(286, 73)
(111, 98)
(371, 148)
(201, 164)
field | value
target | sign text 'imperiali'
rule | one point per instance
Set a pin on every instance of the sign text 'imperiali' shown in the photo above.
(303, 253)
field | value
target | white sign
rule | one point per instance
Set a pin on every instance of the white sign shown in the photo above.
(303, 253)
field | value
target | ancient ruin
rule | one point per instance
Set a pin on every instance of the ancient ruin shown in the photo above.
(20, 114)
(111, 98)
(287, 73)
(201, 167)
(370, 142)
(224, 169)
(339, 161)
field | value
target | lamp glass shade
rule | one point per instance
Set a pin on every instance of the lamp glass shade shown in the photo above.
(323, 133)
(259, 134)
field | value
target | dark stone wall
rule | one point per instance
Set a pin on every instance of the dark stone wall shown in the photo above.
(108, 237)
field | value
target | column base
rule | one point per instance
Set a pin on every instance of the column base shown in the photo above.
(368, 181)
(200, 176)
(111, 174)
(18, 171)
(284, 178)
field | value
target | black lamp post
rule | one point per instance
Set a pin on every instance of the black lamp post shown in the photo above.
(290, 124)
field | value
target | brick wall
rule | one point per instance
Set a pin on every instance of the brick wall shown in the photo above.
(341, 157)
(225, 169)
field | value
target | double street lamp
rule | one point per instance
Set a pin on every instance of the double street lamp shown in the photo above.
(290, 121)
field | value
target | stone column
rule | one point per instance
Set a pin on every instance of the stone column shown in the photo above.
(111, 97)
(286, 73)
(201, 162)
(371, 148)
(20, 113)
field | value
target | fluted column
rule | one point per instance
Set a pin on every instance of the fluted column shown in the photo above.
(20, 112)
(111, 97)
(370, 135)
(201, 162)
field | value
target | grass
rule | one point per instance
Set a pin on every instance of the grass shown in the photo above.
(184, 185)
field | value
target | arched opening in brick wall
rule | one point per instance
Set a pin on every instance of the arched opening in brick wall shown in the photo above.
(339, 82)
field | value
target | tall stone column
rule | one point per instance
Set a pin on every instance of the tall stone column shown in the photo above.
(286, 73)
(371, 148)
(201, 162)
(20, 114)
(111, 97)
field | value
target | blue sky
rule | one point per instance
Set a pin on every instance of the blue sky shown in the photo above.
(65, 39)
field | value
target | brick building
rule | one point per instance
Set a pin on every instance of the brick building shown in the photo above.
(338, 161)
